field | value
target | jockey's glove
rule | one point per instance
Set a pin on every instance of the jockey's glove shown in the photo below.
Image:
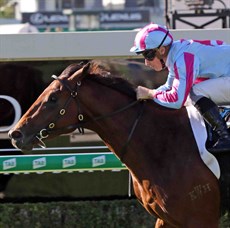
(144, 93)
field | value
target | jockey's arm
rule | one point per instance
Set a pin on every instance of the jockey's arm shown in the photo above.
(174, 97)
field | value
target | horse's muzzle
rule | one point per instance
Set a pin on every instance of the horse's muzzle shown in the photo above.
(18, 140)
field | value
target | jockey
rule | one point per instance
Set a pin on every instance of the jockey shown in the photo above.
(197, 69)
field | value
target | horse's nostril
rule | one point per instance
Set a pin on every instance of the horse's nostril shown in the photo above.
(16, 135)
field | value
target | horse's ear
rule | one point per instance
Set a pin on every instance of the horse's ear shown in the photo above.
(86, 68)
(83, 62)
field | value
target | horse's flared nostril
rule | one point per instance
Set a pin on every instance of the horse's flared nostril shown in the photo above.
(15, 135)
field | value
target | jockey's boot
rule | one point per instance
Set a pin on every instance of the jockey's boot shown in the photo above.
(210, 112)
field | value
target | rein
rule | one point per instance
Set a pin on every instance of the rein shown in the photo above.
(44, 133)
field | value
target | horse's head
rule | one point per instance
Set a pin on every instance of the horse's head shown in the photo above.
(52, 113)
(78, 95)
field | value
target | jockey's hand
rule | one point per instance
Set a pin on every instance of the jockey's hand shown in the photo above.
(144, 93)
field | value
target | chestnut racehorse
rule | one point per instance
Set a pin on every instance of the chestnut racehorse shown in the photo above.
(155, 143)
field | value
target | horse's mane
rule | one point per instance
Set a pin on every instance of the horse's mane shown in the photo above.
(99, 72)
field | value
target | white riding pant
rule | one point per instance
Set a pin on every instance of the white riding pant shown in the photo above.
(218, 90)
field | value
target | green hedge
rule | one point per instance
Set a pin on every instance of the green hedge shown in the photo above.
(82, 214)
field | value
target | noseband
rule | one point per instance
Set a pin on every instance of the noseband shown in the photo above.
(44, 133)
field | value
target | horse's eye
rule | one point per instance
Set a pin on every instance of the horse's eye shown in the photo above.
(52, 98)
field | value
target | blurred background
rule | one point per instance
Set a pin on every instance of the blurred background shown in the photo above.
(84, 15)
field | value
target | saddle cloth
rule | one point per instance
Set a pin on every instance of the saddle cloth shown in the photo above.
(200, 134)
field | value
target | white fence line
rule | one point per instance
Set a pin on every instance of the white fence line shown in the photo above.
(85, 45)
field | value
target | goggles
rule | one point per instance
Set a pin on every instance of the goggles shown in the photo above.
(148, 54)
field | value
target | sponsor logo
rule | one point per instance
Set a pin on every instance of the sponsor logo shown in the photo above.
(98, 161)
(124, 16)
(68, 162)
(9, 164)
(38, 163)
(112, 17)
(42, 18)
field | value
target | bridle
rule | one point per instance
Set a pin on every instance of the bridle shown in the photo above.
(45, 132)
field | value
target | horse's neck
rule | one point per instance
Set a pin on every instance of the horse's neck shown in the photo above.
(115, 128)
(157, 138)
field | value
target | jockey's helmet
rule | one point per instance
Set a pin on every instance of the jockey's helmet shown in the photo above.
(150, 37)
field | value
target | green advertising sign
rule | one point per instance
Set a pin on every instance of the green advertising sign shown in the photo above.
(60, 163)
